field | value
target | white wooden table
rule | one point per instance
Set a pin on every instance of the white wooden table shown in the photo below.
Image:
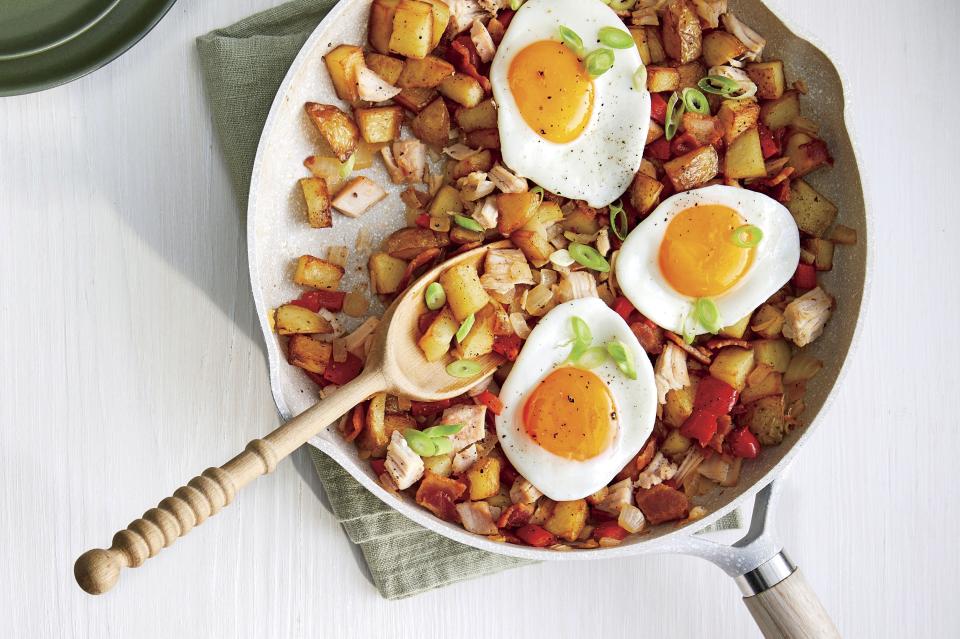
(130, 360)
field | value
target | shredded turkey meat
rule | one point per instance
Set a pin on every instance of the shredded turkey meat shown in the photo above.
(476, 517)
(411, 157)
(658, 471)
(463, 13)
(504, 269)
(577, 285)
(463, 460)
(404, 466)
(523, 492)
(487, 213)
(750, 38)
(618, 495)
(482, 41)
(805, 317)
(506, 181)
(471, 416)
(670, 371)
(475, 186)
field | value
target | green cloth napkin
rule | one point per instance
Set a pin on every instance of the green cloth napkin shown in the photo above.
(243, 66)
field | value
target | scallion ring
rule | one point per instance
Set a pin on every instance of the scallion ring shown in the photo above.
(592, 357)
(618, 220)
(420, 443)
(719, 85)
(571, 39)
(623, 358)
(465, 327)
(538, 191)
(675, 109)
(589, 257)
(435, 297)
(746, 236)
(464, 368)
(467, 222)
(346, 168)
(515, 4)
(705, 312)
(615, 38)
(599, 61)
(622, 5)
(640, 78)
(695, 101)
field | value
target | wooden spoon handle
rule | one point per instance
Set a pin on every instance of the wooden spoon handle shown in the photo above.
(97, 570)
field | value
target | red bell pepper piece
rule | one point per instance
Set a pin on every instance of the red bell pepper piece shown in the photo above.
(598, 516)
(508, 474)
(715, 396)
(423, 221)
(315, 300)
(805, 277)
(623, 308)
(340, 373)
(378, 466)
(683, 144)
(743, 443)
(425, 320)
(507, 345)
(768, 144)
(537, 536)
(658, 108)
(491, 401)
(659, 149)
(355, 425)
(701, 425)
(426, 409)
(609, 530)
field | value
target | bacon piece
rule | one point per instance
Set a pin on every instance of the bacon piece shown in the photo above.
(719, 343)
(701, 355)
(515, 515)
(649, 335)
(420, 260)
(662, 503)
(463, 55)
(355, 423)
(440, 494)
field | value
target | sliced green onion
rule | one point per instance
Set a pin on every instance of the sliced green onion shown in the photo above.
(623, 358)
(705, 312)
(346, 168)
(467, 222)
(592, 357)
(582, 338)
(571, 39)
(622, 5)
(598, 62)
(538, 191)
(618, 220)
(615, 38)
(688, 336)
(589, 257)
(747, 236)
(675, 109)
(464, 368)
(640, 78)
(465, 327)
(695, 101)
(442, 430)
(515, 4)
(419, 443)
(435, 297)
(719, 85)
(444, 446)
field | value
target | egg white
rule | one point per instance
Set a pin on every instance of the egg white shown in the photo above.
(775, 259)
(599, 165)
(547, 348)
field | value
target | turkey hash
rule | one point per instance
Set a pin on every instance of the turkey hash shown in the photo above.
(647, 164)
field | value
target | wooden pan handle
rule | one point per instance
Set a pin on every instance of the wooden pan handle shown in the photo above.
(97, 570)
(791, 610)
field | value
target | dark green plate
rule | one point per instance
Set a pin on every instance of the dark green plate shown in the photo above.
(44, 43)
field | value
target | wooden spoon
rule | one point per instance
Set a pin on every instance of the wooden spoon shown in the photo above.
(395, 364)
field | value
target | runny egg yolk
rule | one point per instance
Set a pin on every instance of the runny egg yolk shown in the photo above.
(571, 413)
(552, 90)
(698, 257)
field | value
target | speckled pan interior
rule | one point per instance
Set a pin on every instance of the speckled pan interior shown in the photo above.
(278, 234)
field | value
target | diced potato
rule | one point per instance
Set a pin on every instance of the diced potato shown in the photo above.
(447, 200)
(736, 331)
(841, 234)
(424, 74)
(813, 212)
(682, 34)
(318, 273)
(407, 243)
(327, 169)
(435, 343)
(482, 116)
(412, 33)
(441, 17)
(479, 341)
(661, 79)
(441, 465)
(460, 235)
(771, 384)
(374, 436)
(822, 251)
(415, 100)
(336, 127)
(534, 246)
(515, 210)
(380, 26)
(690, 74)
(767, 321)
(386, 273)
(387, 67)
(465, 293)
(765, 418)
(484, 478)
(654, 132)
(482, 161)
(694, 169)
(769, 78)
(655, 45)
(732, 365)
(462, 89)
(675, 444)
(802, 368)
(567, 519)
(358, 195)
(679, 404)
(737, 117)
(719, 47)
(317, 197)
(645, 193)
(484, 138)
(379, 124)
(640, 39)
(781, 112)
(291, 319)
(775, 353)
(744, 158)
(432, 125)
(342, 64)
(308, 353)
(806, 153)
(582, 219)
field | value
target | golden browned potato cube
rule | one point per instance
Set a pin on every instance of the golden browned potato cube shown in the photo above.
(719, 47)
(679, 405)
(675, 444)
(775, 353)
(694, 169)
(769, 78)
(770, 384)
(308, 353)
(460, 235)
(291, 319)
(435, 342)
(655, 45)
(682, 35)
(479, 341)
(781, 112)
(690, 74)
(407, 243)
(661, 79)
(581, 220)
(412, 33)
(318, 273)
(342, 64)
(737, 117)
(317, 197)
(654, 132)
(484, 138)
(462, 89)
(806, 153)
(813, 212)
(432, 125)
(415, 100)
(379, 124)
(465, 293)
(515, 209)
(441, 17)
(387, 67)
(447, 200)
(441, 465)
(482, 116)
(534, 246)
(767, 321)
(736, 331)
(484, 478)
(426, 73)
(335, 127)
(358, 195)
(567, 519)
(482, 161)
(845, 235)
(327, 169)
(645, 193)
(744, 158)
(380, 26)
(640, 39)
(822, 251)
(732, 365)
(386, 273)
(766, 420)
(380, 425)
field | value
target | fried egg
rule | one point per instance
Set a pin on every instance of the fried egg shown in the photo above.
(576, 136)
(685, 251)
(569, 430)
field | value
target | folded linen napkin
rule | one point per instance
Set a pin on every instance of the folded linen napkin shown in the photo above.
(243, 65)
